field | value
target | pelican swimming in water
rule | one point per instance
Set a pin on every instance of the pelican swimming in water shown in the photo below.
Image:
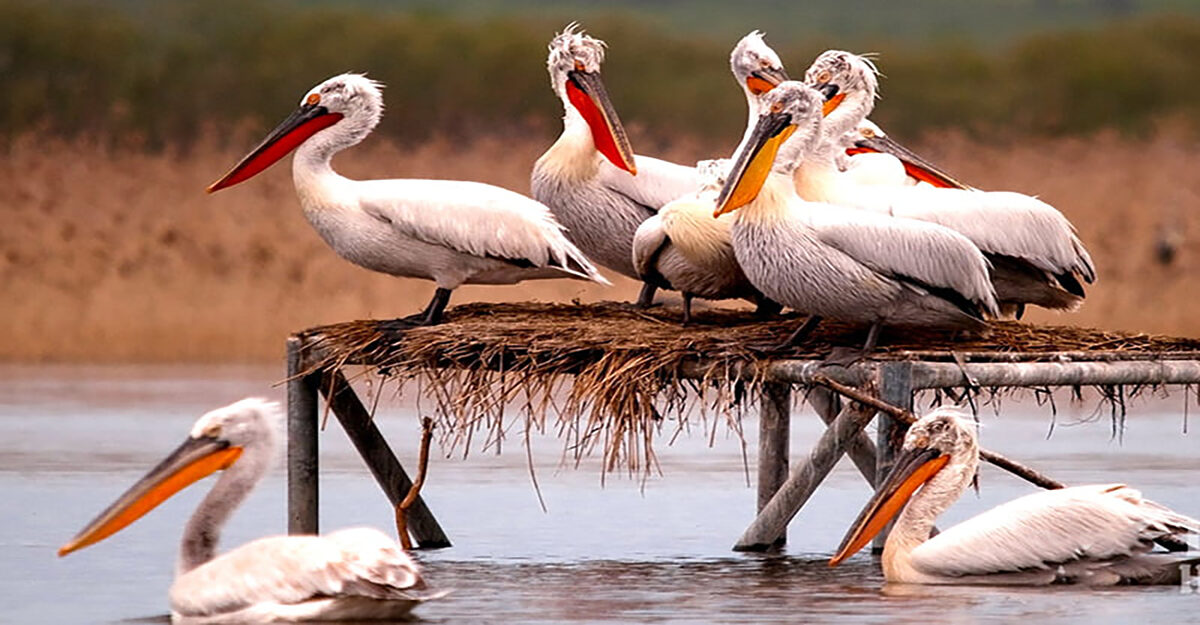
(351, 575)
(1035, 254)
(448, 231)
(587, 177)
(1100, 535)
(826, 261)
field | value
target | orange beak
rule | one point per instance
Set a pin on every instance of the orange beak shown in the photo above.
(303, 123)
(913, 468)
(191, 461)
(765, 79)
(586, 93)
(753, 163)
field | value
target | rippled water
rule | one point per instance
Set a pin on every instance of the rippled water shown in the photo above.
(72, 438)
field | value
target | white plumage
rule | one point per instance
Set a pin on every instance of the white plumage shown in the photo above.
(451, 232)
(1099, 534)
(355, 574)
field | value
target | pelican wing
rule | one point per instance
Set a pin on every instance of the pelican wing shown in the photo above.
(998, 222)
(657, 181)
(915, 251)
(649, 241)
(475, 218)
(1051, 529)
(290, 570)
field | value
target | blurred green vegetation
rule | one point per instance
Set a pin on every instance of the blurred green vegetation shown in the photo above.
(157, 74)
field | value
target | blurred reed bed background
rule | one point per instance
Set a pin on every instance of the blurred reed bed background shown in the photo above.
(115, 116)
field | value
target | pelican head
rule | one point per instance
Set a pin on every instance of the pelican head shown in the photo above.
(216, 442)
(755, 65)
(574, 66)
(838, 75)
(941, 442)
(352, 103)
(787, 108)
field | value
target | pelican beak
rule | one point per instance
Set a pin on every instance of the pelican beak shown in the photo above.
(914, 165)
(913, 468)
(586, 92)
(194, 459)
(303, 123)
(765, 79)
(753, 163)
(833, 96)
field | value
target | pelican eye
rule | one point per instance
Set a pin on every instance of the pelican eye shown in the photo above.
(313, 99)
(214, 430)
(868, 133)
(777, 107)
(579, 66)
(825, 76)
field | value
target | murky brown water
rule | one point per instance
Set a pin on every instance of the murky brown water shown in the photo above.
(72, 438)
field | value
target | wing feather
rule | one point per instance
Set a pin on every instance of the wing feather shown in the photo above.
(359, 562)
(926, 253)
(477, 219)
(1044, 530)
(657, 181)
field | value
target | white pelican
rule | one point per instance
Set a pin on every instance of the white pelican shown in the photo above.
(355, 574)
(870, 156)
(1100, 534)
(1035, 254)
(587, 176)
(684, 249)
(757, 69)
(452, 232)
(828, 262)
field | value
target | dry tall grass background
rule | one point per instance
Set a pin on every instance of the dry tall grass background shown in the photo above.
(120, 256)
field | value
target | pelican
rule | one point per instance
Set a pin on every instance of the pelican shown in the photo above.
(828, 262)
(683, 248)
(355, 574)
(1099, 535)
(587, 176)
(450, 232)
(1035, 254)
(871, 157)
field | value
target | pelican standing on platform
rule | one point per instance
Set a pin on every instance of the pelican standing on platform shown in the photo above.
(1097, 535)
(1035, 254)
(448, 231)
(828, 262)
(351, 575)
(587, 177)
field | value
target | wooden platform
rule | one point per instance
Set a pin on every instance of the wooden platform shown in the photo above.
(624, 370)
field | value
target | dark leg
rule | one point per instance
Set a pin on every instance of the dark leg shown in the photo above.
(847, 356)
(646, 297)
(802, 332)
(687, 308)
(432, 314)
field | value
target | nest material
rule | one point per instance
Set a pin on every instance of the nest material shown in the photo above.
(627, 363)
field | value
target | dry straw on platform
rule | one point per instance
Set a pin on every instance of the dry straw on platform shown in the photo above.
(609, 376)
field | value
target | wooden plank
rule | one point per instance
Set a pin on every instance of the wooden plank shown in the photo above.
(861, 449)
(774, 426)
(376, 452)
(771, 523)
(302, 488)
(895, 388)
(942, 375)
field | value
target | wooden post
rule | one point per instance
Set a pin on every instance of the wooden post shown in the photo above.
(373, 448)
(771, 523)
(895, 388)
(302, 490)
(774, 425)
(861, 450)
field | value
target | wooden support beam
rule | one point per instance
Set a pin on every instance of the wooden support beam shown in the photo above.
(302, 489)
(774, 429)
(771, 523)
(861, 449)
(373, 448)
(942, 375)
(895, 388)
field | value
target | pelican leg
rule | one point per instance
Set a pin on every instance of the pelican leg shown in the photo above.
(646, 296)
(687, 308)
(432, 315)
(800, 334)
(846, 356)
